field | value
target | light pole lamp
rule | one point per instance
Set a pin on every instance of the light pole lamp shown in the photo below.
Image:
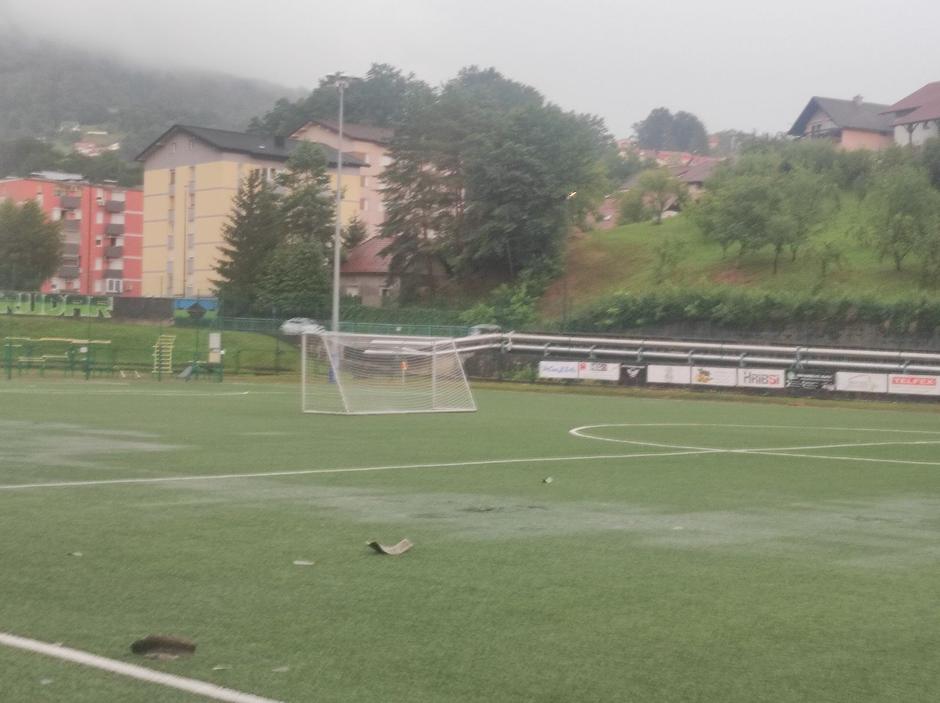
(339, 81)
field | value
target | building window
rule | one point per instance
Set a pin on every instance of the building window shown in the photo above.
(190, 266)
(115, 285)
(99, 217)
(192, 143)
(97, 263)
(191, 240)
(386, 294)
(99, 286)
(169, 283)
(352, 291)
(97, 241)
(172, 178)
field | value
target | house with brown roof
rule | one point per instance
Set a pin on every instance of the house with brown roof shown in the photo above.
(916, 118)
(366, 274)
(368, 144)
(850, 124)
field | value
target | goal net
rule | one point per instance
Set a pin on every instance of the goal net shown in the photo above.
(365, 374)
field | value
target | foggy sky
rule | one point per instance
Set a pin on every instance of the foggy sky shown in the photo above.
(745, 64)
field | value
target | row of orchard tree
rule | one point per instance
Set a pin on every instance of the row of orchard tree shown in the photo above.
(777, 195)
(485, 177)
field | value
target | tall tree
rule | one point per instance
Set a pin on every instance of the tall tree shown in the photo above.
(689, 133)
(659, 189)
(295, 280)
(902, 213)
(661, 130)
(481, 179)
(30, 246)
(382, 98)
(655, 132)
(253, 230)
(307, 210)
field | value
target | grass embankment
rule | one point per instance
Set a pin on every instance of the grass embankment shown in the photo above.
(624, 258)
(245, 352)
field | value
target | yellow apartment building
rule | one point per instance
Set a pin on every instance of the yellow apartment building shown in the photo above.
(368, 144)
(191, 177)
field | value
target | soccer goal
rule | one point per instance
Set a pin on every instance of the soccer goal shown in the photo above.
(371, 374)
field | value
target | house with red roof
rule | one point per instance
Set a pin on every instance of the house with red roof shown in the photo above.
(366, 274)
(916, 118)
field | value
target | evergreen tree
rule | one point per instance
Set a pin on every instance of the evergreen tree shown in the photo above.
(253, 230)
(295, 281)
(307, 210)
(30, 246)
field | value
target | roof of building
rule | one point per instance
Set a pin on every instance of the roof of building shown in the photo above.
(56, 176)
(696, 172)
(258, 145)
(920, 106)
(367, 257)
(845, 114)
(362, 132)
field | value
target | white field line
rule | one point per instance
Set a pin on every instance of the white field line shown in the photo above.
(200, 688)
(357, 469)
(163, 394)
(576, 430)
(912, 462)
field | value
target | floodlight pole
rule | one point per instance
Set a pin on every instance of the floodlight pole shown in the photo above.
(341, 83)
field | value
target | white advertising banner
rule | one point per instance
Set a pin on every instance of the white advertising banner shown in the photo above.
(558, 369)
(660, 373)
(854, 382)
(761, 378)
(908, 384)
(714, 376)
(598, 371)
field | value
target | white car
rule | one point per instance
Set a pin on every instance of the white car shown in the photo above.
(301, 325)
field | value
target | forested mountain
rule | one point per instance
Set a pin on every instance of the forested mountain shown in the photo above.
(44, 84)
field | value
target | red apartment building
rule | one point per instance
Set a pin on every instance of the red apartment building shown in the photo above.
(102, 226)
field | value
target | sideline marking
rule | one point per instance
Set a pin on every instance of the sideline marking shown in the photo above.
(308, 472)
(133, 671)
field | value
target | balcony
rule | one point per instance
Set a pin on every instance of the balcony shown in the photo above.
(113, 273)
(114, 230)
(68, 272)
(69, 261)
(114, 252)
(114, 206)
(70, 202)
(71, 225)
(70, 249)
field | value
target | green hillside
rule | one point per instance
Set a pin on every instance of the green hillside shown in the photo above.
(44, 84)
(625, 259)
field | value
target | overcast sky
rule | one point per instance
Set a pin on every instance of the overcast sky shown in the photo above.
(745, 64)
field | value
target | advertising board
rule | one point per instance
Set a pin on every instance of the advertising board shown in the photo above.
(633, 375)
(558, 369)
(820, 381)
(761, 378)
(598, 371)
(714, 376)
(662, 373)
(910, 384)
(855, 382)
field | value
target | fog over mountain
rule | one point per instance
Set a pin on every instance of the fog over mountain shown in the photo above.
(735, 63)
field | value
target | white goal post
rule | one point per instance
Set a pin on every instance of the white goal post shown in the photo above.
(362, 374)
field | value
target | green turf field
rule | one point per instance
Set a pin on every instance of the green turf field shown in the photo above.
(685, 550)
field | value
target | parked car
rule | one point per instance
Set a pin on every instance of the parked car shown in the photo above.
(484, 329)
(301, 325)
